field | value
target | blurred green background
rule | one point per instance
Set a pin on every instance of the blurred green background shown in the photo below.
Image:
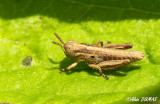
(27, 27)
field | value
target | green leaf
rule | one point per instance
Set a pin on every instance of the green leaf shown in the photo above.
(27, 27)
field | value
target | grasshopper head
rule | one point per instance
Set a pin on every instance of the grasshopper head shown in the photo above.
(68, 47)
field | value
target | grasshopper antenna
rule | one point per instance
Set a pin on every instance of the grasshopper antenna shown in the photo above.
(57, 42)
(59, 38)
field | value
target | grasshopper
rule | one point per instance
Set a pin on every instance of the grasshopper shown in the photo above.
(107, 57)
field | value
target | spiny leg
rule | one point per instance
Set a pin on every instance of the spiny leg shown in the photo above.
(69, 67)
(99, 69)
(119, 46)
(113, 64)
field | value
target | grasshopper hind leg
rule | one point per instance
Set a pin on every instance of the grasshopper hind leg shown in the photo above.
(109, 65)
(118, 46)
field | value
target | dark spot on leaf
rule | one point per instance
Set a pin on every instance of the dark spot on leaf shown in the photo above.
(27, 61)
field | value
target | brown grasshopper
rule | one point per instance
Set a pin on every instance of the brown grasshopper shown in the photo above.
(107, 57)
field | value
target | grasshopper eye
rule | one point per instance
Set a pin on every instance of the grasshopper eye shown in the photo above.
(92, 56)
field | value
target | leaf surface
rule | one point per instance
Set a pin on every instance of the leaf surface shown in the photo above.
(27, 27)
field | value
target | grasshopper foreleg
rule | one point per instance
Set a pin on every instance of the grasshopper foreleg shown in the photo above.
(69, 67)
(99, 69)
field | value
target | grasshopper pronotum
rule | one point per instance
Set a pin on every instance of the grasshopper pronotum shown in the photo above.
(108, 56)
